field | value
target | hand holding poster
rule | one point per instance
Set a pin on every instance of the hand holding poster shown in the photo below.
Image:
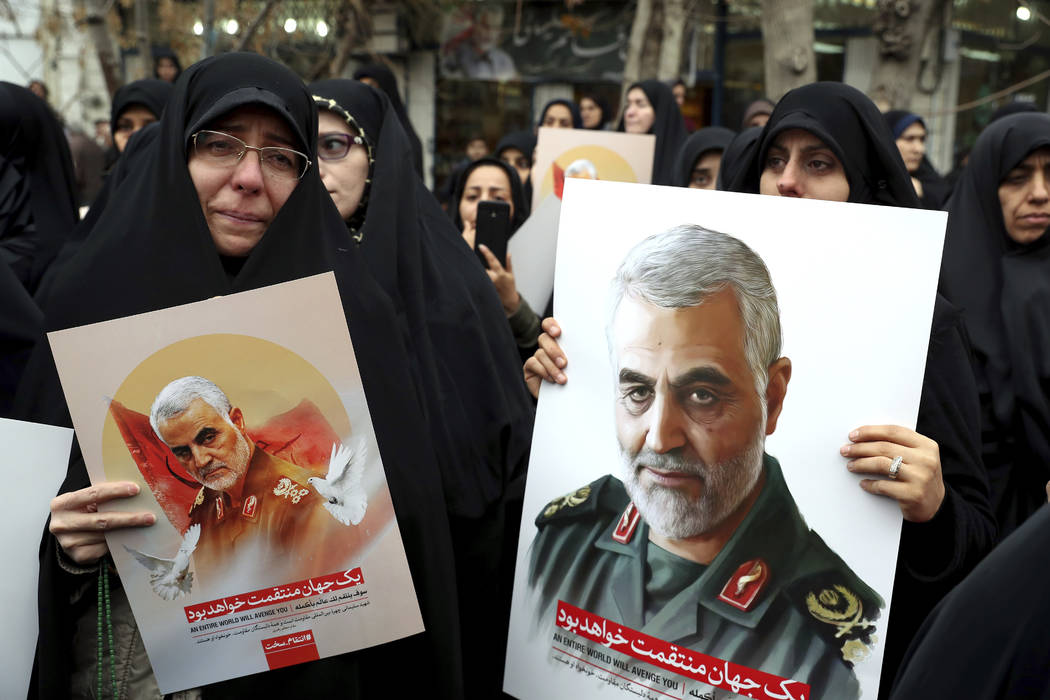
(244, 421)
(696, 529)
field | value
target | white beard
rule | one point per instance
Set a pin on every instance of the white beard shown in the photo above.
(671, 512)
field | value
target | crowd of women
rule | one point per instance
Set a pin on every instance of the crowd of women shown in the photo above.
(441, 341)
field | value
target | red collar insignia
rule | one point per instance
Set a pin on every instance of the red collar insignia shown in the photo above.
(745, 584)
(627, 525)
(251, 507)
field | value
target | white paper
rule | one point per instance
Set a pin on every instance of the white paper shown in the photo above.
(40, 454)
(532, 251)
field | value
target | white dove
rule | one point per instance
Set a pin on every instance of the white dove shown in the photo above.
(342, 488)
(171, 578)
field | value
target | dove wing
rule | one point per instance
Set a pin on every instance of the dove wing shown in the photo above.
(349, 479)
(149, 561)
(341, 456)
(191, 538)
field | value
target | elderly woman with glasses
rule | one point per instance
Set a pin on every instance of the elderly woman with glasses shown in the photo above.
(222, 197)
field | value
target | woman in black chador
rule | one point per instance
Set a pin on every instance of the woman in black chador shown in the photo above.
(997, 267)
(166, 238)
(650, 108)
(478, 411)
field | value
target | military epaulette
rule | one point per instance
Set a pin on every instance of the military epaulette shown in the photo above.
(841, 609)
(607, 493)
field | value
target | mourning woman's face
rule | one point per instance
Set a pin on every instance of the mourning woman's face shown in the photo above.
(798, 164)
(591, 113)
(343, 172)
(240, 198)
(1024, 195)
(639, 115)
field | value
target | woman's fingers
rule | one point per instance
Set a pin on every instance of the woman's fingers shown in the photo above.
(93, 495)
(550, 347)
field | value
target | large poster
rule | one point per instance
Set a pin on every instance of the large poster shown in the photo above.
(561, 155)
(496, 41)
(690, 528)
(244, 420)
(38, 455)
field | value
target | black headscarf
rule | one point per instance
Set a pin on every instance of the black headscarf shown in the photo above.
(603, 105)
(38, 190)
(479, 413)
(935, 189)
(524, 141)
(388, 84)
(153, 250)
(151, 93)
(1004, 289)
(1012, 108)
(711, 138)
(668, 127)
(738, 154)
(165, 52)
(760, 106)
(331, 95)
(936, 554)
(20, 325)
(853, 128)
(574, 110)
(517, 193)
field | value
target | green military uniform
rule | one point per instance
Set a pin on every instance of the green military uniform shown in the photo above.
(775, 579)
(271, 520)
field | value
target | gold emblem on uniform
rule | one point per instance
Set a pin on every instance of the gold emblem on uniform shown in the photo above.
(854, 651)
(568, 501)
(198, 500)
(841, 607)
(290, 490)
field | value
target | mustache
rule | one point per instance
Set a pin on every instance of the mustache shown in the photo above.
(672, 461)
(206, 471)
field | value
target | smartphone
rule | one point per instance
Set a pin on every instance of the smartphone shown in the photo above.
(493, 229)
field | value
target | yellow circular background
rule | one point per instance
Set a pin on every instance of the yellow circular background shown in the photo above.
(261, 378)
(610, 165)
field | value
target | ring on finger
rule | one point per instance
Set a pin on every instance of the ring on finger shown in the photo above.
(895, 467)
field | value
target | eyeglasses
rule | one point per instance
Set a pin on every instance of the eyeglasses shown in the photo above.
(336, 145)
(227, 151)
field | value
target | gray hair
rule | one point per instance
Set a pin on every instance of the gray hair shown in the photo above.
(581, 166)
(683, 266)
(177, 396)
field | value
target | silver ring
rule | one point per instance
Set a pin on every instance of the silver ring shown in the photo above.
(895, 467)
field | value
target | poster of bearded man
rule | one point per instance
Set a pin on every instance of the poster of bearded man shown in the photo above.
(690, 524)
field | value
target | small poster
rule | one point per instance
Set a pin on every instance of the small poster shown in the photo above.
(244, 421)
(690, 528)
(43, 452)
(563, 154)
(586, 154)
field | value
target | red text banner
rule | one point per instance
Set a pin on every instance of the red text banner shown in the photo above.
(290, 649)
(263, 597)
(705, 669)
